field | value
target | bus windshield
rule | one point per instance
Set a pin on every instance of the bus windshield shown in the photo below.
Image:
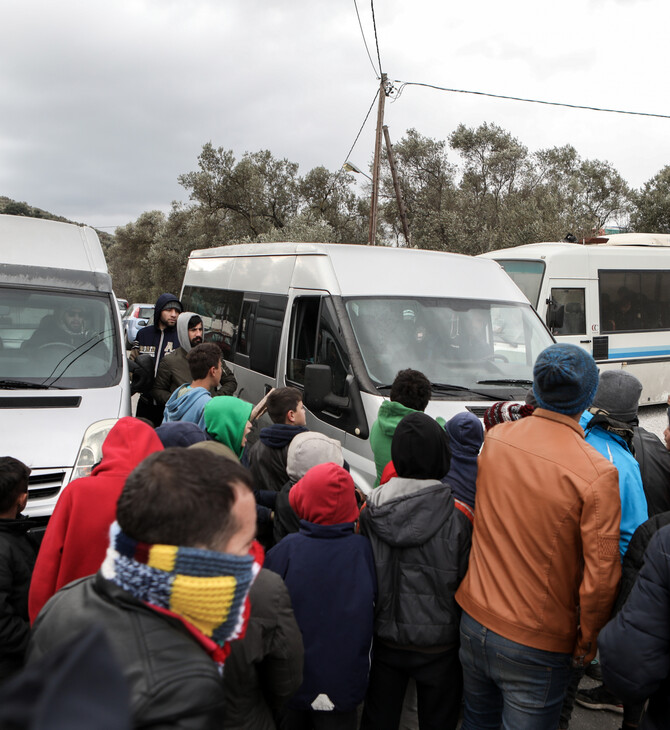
(57, 340)
(468, 344)
(527, 275)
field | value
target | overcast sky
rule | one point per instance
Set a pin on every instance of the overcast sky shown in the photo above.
(104, 104)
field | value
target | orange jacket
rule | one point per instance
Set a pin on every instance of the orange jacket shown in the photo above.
(544, 565)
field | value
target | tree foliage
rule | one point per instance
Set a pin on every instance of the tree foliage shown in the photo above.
(479, 190)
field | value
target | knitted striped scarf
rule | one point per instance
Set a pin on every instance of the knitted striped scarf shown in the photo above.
(206, 589)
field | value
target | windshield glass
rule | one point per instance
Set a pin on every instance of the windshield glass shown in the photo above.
(472, 344)
(58, 340)
(527, 275)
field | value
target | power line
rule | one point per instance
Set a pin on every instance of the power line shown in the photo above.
(403, 84)
(360, 25)
(374, 25)
(362, 126)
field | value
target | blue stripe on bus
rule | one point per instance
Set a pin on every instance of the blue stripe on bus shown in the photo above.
(640, 352)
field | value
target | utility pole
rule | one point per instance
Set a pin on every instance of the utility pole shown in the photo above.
(375, 169)
(396, 185)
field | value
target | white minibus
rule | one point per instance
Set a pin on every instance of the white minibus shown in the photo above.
(611, 297)
(63, 371)
(339, 321)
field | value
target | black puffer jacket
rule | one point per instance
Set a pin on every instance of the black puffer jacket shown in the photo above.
(654, 461)
(421, 544)
(18, 551)
(634, 644)
(173, 681)
(264, 668)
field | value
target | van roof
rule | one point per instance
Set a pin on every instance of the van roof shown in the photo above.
(50, 244)
(360, 270)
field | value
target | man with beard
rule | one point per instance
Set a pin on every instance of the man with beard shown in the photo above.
(174, 370)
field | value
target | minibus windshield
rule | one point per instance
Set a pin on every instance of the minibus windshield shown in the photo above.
(527, 275)
(485, 347)
(57, 340)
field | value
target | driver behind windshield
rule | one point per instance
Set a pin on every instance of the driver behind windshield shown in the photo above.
(66, 326)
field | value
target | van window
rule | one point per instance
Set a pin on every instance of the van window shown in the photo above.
(265, 335)
(574, 318)
(527, 275)
(460, 342)
(634, 300)
(316, 337)
(58, 340)
(220, 311)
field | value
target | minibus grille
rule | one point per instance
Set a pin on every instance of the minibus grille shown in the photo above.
(479, 411)
(44, 484)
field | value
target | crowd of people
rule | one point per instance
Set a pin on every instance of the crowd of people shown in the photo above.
(195, 580)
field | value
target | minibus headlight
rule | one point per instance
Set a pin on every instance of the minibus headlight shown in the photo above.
(90, 451)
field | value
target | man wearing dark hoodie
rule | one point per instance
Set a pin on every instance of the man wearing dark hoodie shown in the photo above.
(267, 457)
(76, 538)
(330, 575)
(174, 370)
(410, 392)
(421, 544)
(157, 340)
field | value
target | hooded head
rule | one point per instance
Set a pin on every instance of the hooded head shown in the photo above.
(325, 495)
(226, 419)
(420, 448)
(180, 433)
(465, 432)
(185, 321)
(505, 411)
(619, 394)
(309, 449)
(129, 442)
(565, 379)
(165, 301)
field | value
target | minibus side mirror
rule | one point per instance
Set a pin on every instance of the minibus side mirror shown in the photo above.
(555, 315)
(319, 389)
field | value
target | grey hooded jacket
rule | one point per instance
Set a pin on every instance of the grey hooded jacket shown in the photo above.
(174, 371)
(421, 544)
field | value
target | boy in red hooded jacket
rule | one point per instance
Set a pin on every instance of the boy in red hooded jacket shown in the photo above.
(330, 574)
(77, 536)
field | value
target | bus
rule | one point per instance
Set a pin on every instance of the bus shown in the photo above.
(609, 295)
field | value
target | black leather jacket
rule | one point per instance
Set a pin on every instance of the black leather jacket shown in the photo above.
(173, 681)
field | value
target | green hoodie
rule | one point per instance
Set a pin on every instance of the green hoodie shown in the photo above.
(389, 416)
(226, 418)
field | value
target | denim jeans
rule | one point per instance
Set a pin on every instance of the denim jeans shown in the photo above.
(508, 684)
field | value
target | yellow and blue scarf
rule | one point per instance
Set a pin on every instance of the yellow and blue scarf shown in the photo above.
(205, 589)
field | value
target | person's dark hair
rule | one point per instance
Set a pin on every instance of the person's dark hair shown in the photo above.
(412, 389)
(203, 357)
(194, 321)
(182, 497)
(13, 481)
(281, 401)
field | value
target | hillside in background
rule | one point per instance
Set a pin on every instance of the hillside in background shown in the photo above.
(13, 207)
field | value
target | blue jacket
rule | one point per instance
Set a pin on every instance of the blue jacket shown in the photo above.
(187, 406)
(330, 574)
(633, 500)
(635, 645)
(466, 435)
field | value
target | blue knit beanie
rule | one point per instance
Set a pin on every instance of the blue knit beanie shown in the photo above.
(565, 379)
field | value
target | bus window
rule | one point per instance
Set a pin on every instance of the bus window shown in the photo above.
(634, 300)
(574, 320)
(527, 275)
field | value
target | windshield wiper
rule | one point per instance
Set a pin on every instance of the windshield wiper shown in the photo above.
(17, 384)
(506, 381)
(448, 387)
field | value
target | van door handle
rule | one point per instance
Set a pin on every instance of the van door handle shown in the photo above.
(584, 342)
(268, 388)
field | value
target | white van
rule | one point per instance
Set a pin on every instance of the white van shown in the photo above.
(611, 297)
(63, 372)
(339, 321)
